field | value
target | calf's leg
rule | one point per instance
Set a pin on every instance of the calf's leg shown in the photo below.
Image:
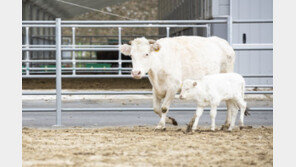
(213, 114)
(242, 105)
(233, 117)
(198, 113)
(230, 108)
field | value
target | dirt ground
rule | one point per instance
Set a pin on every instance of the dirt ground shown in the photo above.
(141, 146)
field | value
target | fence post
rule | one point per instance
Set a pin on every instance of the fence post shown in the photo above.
(58, 73)
(27, 52)
(229, 24)
(168, 32)
(119, 53)
(73, 52)
(229, 29)
(208, 30)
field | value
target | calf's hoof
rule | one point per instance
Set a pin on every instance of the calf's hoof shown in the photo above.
(174, 122)
(189, 128)
(229, 129)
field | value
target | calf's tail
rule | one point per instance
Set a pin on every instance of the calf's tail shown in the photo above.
(247, 111)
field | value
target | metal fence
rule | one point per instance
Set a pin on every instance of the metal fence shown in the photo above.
(121, 72)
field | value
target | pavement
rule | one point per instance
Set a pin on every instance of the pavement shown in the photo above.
(127, 118)
(133, 118)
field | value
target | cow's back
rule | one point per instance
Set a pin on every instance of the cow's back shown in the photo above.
(192, 57)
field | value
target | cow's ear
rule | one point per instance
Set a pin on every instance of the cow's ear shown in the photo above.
(125, 49)
(151, 41)
(155, 47)
(194, 83)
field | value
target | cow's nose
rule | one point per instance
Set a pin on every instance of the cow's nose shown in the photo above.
(181, 97)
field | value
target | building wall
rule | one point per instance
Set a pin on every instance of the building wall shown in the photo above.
(31, 11)
(248, 62)
(184, 10)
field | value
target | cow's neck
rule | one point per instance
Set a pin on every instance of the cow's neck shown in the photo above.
(155, 73)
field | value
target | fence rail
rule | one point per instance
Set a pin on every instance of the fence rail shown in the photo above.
(127, 109)
(58, 24)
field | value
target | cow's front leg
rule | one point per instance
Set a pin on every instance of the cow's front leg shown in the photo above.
(156, 104)
(157, 109)
(169, 97)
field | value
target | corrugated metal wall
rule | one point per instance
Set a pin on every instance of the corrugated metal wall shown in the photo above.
(253, 62)
(184, 10)
(249, 62)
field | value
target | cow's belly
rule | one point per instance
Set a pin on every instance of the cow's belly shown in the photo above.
(197, 73)
(161, 87)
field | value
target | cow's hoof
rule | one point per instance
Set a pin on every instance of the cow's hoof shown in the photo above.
(159, 128)
(174, 122)
(224, 127)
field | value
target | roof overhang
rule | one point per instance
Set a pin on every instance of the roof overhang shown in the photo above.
(67, 11)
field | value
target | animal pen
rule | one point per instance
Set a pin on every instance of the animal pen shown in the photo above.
(58, 72)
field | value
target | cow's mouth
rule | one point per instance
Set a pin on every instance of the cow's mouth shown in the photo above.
(137, 76)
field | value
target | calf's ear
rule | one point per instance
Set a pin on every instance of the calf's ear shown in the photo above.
(125, 49)
(194, 83)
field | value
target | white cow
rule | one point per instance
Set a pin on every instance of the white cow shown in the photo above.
(211, 90)
(169, 61)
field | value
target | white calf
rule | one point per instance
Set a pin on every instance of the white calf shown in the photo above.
(211, 90)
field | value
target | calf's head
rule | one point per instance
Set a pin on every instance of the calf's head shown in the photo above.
(188, 89)
(140, 50)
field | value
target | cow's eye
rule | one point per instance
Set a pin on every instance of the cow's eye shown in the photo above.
(147, 54)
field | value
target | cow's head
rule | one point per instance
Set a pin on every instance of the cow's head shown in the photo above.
(140, 50)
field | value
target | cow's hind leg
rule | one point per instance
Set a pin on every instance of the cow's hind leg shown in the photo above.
(157, 110)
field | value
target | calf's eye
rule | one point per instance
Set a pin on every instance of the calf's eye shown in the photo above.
(147, 54)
